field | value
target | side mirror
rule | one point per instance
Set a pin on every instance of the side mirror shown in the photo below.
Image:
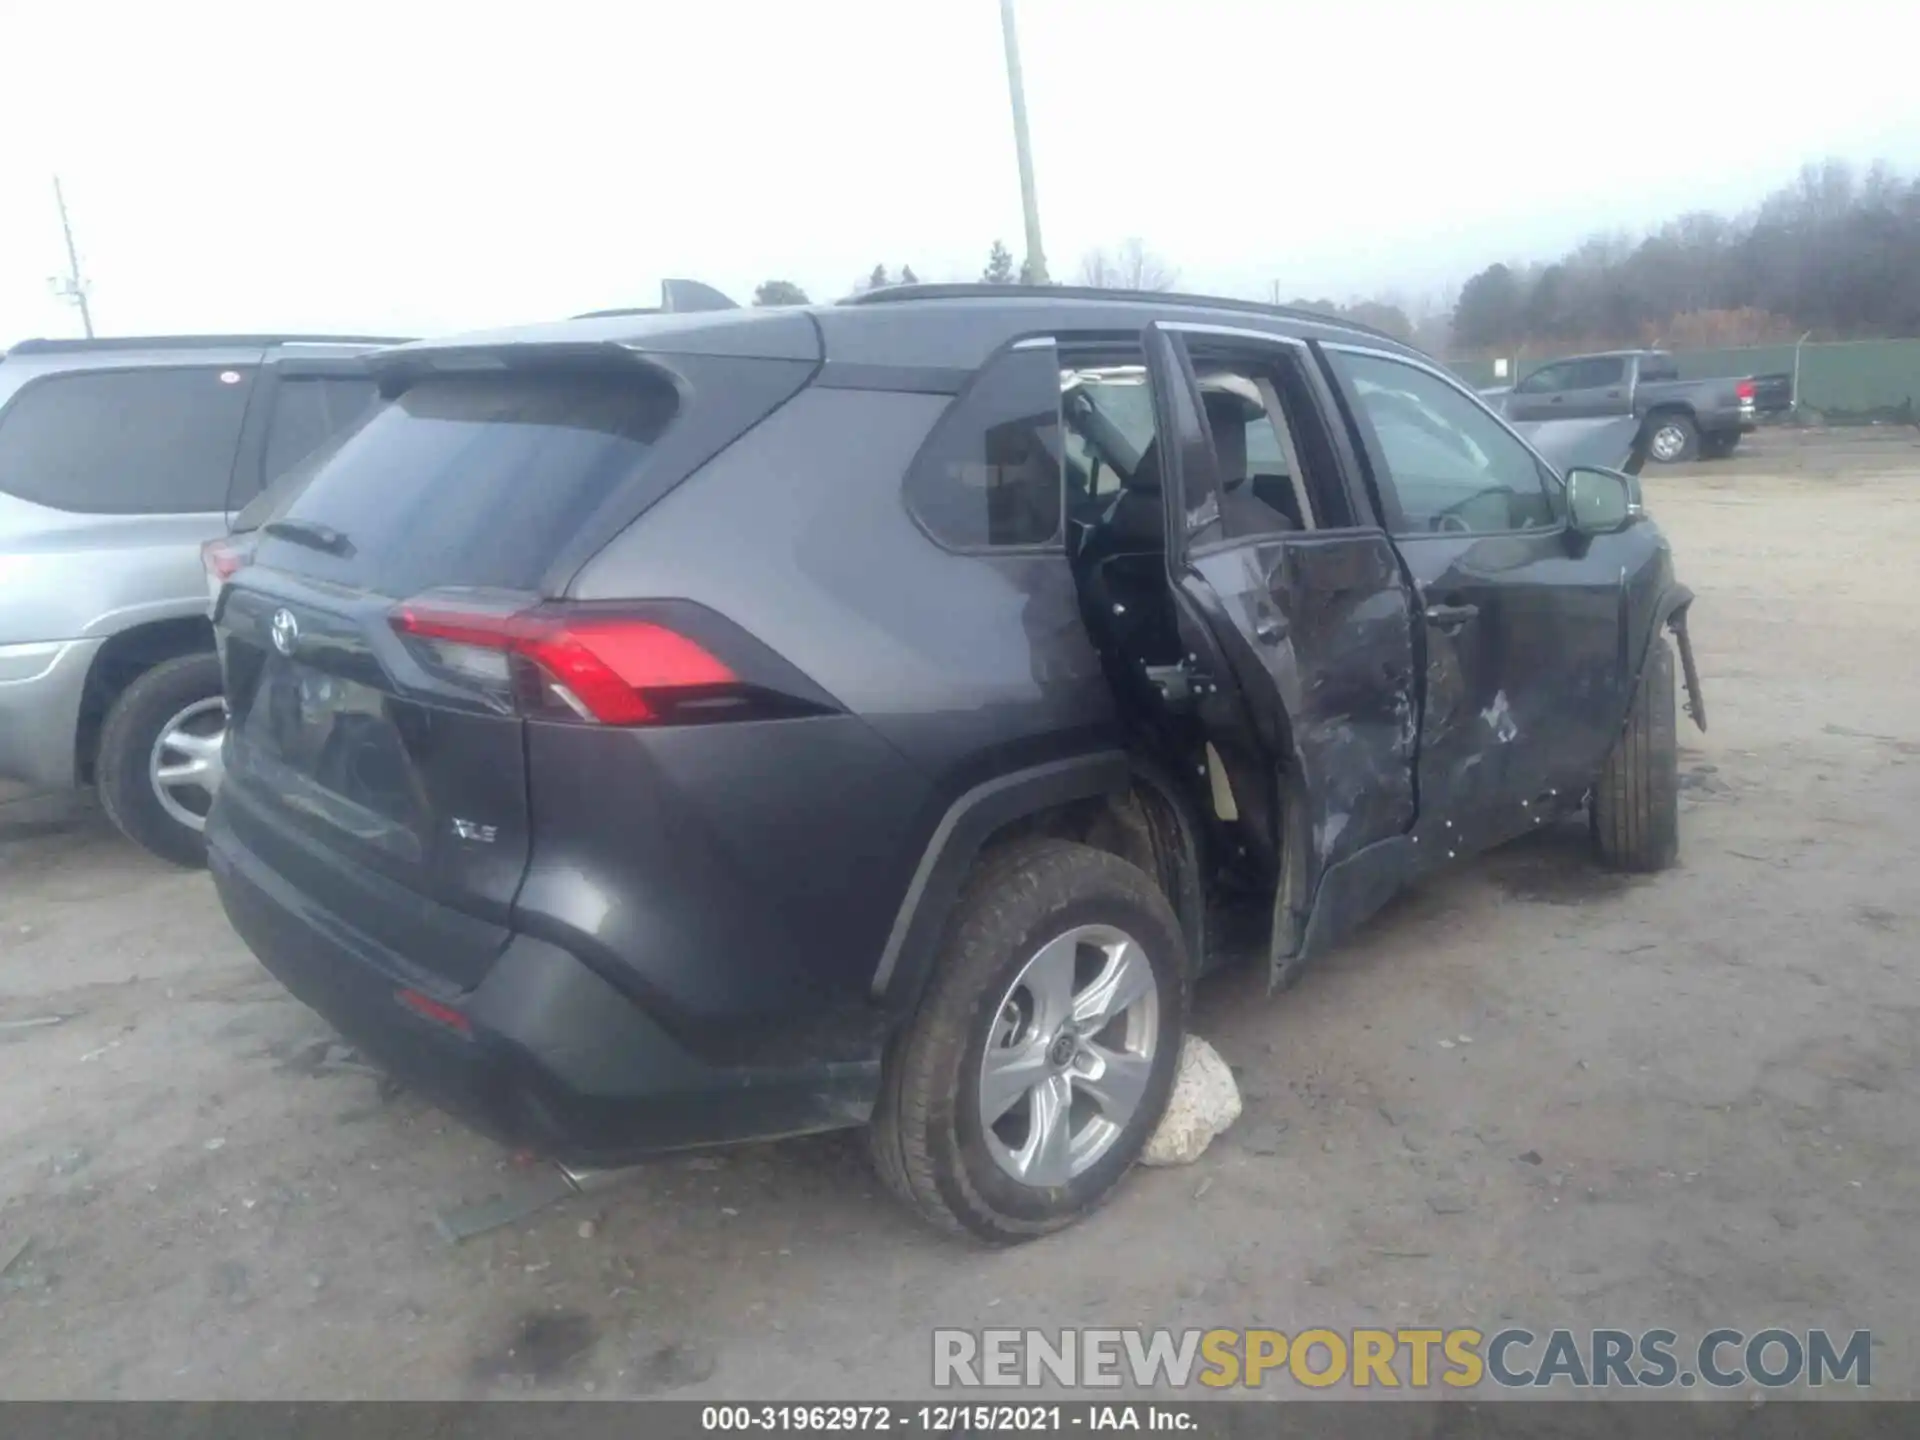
(1599, 502)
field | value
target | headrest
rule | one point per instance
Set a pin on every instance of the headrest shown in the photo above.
(1227, 417)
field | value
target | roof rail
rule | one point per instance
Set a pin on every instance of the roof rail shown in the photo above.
(966, 291)
(677, 297)
(187, 342)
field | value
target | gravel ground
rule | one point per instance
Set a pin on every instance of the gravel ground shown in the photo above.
(1530, 1092)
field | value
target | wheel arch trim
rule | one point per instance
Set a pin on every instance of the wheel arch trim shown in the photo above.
(1669, 612)
(956, 841)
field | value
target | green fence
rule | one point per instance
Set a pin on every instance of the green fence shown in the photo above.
(1846, 381)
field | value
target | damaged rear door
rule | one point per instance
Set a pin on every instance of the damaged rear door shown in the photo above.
(1525, 683)
(1306, 639)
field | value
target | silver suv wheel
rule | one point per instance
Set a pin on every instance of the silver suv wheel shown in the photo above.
(1070, 1054)
(185, 765)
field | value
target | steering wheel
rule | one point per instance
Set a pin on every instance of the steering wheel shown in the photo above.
(1451, 521)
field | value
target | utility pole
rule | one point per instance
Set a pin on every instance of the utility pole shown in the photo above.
(70, 286)
(1029, 203)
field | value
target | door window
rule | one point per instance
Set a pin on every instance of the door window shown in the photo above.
(1548, 380)
(1598, 373)
(125, 442)
(1442, 462)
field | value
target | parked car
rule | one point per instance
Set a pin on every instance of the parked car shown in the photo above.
(1685, 419)
(118, 458)
(658, 730)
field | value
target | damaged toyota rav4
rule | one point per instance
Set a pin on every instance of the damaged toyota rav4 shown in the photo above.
(671, 728)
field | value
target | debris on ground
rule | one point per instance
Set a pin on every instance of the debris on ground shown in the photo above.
(33, 1022)
(671, 1366)
(1205, 1102)
(542, 1349)
(333, 1057)
(526, 1198)
(17, 1271)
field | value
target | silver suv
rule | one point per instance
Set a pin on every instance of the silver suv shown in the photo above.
(118, 460)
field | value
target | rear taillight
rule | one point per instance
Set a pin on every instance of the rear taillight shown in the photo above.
(1744, 389)
(559, 662)
(222, 559)
(427, 1008)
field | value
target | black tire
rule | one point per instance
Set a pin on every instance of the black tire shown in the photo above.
(122, 773)
(1635, 814)
(1687, 443)
(1719, 446)
(928, 1142)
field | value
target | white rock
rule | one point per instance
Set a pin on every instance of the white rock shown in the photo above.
(1205, 1102)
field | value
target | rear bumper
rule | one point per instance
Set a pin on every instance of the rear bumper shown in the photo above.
(41, 685)
(553, 1057)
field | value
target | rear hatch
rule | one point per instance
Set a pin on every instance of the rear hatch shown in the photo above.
(394, 630)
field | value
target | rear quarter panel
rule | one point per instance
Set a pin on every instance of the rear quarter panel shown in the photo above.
(952, 668)
(1712, 402)
(68, 577)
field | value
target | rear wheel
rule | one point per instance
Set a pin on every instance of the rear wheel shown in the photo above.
(1635, 814)
(1043, 1053)
(1675, 438)
(1720, 445)
(159, 761)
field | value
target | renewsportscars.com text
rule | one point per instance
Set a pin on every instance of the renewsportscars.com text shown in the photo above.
(1413, 1359)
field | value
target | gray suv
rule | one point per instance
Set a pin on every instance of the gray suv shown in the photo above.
(118, 460)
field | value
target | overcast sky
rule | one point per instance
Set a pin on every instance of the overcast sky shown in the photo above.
(415, 166)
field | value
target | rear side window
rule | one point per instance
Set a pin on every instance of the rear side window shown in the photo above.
(473, 480)
(125, 442)
(308, 411)
(991, 474)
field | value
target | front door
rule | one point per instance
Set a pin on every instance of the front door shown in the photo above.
(1303, 632)
(1541, 395)
(1524, 677)
(1597, 387)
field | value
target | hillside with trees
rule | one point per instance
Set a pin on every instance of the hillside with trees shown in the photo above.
(1835, 253)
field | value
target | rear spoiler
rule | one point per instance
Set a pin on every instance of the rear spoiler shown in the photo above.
(677, 297)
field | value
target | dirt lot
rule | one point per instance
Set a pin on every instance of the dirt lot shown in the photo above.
(1531, 1092)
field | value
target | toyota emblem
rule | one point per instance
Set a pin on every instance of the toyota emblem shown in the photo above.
(286, 631)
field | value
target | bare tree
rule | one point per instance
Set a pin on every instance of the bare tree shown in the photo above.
(1832, 252)
(1130, 266)
(779, 292)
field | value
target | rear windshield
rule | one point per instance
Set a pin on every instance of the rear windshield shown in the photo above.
(470, 480)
